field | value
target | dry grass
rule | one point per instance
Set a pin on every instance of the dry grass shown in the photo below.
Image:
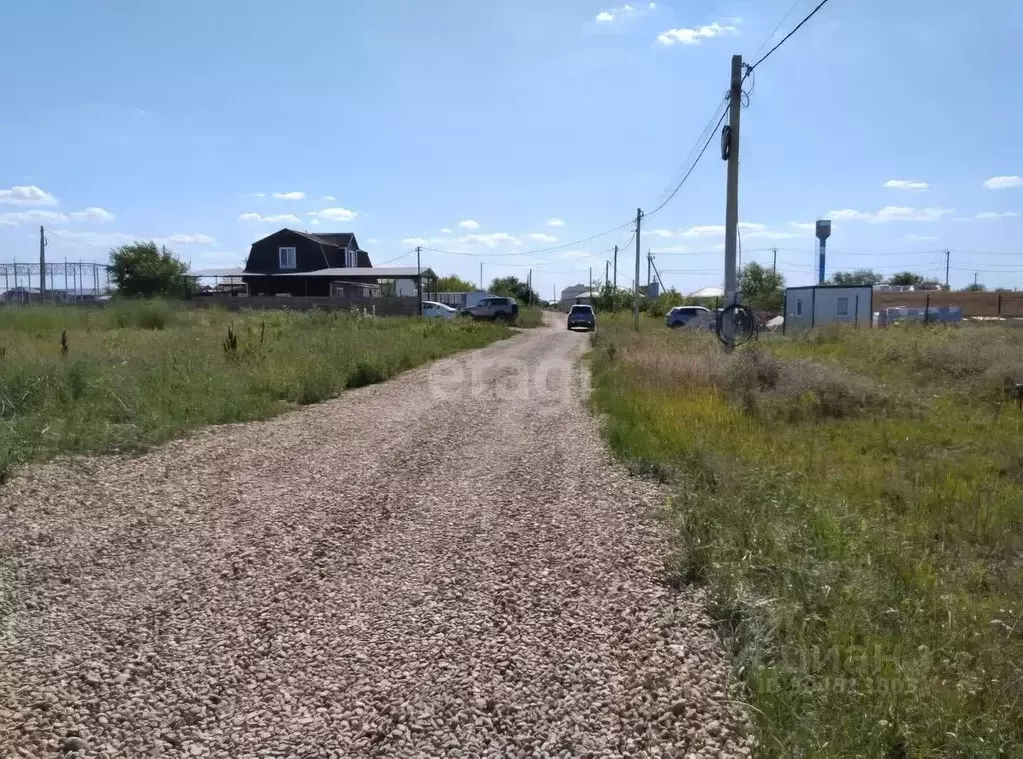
(855, 501)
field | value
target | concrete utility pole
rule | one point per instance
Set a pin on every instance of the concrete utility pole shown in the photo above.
(590, 294)
(635, 282)
(732, 196)
(648, 262)
(419, 280)
(607, 265)
(774, 261)
(946, 268)
(42, 262)
(481, 276)
(529, 288)
(614, 292)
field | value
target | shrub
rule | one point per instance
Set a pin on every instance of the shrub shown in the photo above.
(144, 314)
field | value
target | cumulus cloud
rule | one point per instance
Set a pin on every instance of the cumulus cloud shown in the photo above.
(333, 214)
(469, 224)
(1003, 183)
(415, 241)
(891, 213)
(112, 239)
(694, 35)
(92, 214)
(906, 184)
(604, 17)
(997, 215)
(555, 222)
(541, 237)
(445, 231)
(277, 218)
(491, 239)
(289, 195)
(183, 239)
(27, 195)
(42, 216)
(328, 198)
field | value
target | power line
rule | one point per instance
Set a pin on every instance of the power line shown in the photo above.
(710, 136)
(810, 15)
(406, 253)
(776, 28)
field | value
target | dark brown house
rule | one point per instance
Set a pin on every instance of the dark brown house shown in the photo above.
(302, 263)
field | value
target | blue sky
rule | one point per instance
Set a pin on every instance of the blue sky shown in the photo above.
(499, 127)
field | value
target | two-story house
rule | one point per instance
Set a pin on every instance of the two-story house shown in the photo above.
(302, 263)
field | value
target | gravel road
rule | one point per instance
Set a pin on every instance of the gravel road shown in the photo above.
(446, 564)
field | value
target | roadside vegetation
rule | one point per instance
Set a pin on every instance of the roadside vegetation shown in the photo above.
(529, 317)
(141, 372)
(854, 501)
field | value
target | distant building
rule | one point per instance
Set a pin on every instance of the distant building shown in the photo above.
(818, 305)
(569, 294)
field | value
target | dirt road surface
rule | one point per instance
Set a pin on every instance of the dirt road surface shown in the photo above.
(446, 564)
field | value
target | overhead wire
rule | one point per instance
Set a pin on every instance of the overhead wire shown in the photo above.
(810, 15)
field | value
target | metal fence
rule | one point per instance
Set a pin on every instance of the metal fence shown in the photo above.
(69, 281)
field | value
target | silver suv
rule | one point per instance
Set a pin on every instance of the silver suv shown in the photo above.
(493, 309)
(689, 316)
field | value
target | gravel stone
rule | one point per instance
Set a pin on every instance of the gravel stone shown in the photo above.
(448, 563)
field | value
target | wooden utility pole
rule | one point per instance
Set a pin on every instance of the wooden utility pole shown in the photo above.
(481, 276)
(42, 262)
(946, 268)
(419, 280)
(614, 292)
(607, 282)
(731, 149)
(649, 260)
(774, 261)
(635, 282)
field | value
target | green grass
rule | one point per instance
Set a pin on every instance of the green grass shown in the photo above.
(529, 317)
(854, 500)
(140, 373)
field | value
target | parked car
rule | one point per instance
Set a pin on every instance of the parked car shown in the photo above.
(686, 316)
(582, 316)
(435, 310)
(493, 309)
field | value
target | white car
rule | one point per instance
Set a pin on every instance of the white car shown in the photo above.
(432, 308)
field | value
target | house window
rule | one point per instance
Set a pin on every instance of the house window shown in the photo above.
(286, 258)
(351, 258)
(799, 306)
(842, 308)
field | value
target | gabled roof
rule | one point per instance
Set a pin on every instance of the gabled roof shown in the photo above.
(338, 239)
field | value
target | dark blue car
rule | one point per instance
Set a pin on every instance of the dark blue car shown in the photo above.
(581, 316)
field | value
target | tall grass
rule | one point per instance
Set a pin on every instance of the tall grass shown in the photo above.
(141, 373)
(855, 502)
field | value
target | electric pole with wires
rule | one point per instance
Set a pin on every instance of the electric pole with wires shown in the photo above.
(42, 262)
(614, 292)
(730, 152)
(635, 282)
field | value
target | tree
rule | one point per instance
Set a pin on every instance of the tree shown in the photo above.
(761, 288)
(454, 284)
(141, 269)
(906, 278)
(974, 287)
(858, 277)
(513, 287)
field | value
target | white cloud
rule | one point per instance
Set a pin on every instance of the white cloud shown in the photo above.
(260, 194)
(182, 239)
(997, 215)
(94, 213)
(277, 218)
(891, 213)
(692, 36)
(415, 241)
(906, 184)
(671, 249)
(555, 222)
(652, 6)
(806, 226)
(328, 198)
(373, 241)
(289, 195)
(1003, 183)
(921, 238)
(469, 224)
(541, 237)
(445, 231)
(27, 195)
(574, 254)
(705, 230)
(604, 17)
(33, 216)
(661, 233)
(41, 216)
(333, 214)
(112, 239)
(491, 240)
